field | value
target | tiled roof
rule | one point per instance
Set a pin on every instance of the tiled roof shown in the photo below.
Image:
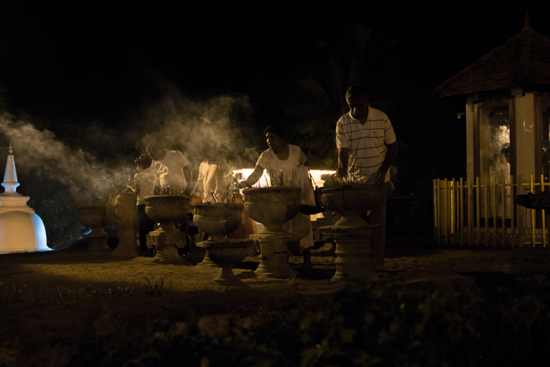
(522, 60)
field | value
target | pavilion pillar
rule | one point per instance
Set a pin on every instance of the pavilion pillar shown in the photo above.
(525, 134)
(470, 137)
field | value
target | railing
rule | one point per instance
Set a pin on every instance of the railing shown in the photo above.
(485, 213)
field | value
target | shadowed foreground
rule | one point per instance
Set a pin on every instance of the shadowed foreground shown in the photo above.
(429, 305)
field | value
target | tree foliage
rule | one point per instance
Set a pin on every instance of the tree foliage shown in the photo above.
(316, 95)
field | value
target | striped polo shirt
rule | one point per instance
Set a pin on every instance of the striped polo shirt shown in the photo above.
(366, 143)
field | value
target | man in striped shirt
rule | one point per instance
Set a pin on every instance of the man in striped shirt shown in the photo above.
(367, 147)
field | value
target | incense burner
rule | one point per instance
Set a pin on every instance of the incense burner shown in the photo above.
(217, 219)
(272, 206)
(353, 235)
(350, 201)
(91, 216)
(168, 210)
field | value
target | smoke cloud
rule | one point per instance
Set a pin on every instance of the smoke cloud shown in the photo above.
(177, 122)
(42, 154)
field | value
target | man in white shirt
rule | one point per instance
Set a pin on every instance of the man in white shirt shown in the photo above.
(173, 168)
(367, 147)
(214, 175)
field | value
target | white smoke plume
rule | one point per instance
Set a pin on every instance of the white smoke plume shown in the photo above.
(177, 122)
(42, 154)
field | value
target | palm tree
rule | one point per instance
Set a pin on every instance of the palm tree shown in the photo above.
(317, 98)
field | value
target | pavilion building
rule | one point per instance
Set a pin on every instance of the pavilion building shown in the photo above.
(507, 110)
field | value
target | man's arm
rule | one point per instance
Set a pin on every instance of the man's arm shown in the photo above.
(343, 159)
(380, 175)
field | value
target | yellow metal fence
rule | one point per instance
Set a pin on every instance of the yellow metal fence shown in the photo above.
(484, 212)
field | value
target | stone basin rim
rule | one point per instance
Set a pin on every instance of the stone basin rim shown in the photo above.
(221, 205)
(257, 190)
(184, 197)
(227, 243)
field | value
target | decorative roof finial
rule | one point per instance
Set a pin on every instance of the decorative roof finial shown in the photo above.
(11, 149)
(527, 23)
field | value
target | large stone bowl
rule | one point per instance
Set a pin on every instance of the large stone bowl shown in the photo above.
(227, 253)
(272, 206)
(350, 201)
(91, 216)
(167, 209)
(217, 219)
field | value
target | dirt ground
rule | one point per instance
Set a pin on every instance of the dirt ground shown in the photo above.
(406, 262)
(50, 297)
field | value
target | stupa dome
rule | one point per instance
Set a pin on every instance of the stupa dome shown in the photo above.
(21, 229)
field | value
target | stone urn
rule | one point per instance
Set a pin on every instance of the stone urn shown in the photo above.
(216, 219)
(272, 206)
(352, 234)
(350, 201)
(91, 216)
(121, 211)
(353, 250)
(227, 253)
(168, 210)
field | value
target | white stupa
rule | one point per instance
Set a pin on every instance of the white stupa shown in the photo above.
(20, 228)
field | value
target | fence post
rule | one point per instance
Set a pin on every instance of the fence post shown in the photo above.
(469, 201)
(478, 219)
(533, 215)
(512, 213)
(436, 211)
(494, 211)
(453, 210)
(445, 212)
(543, 214)
(486, 193)
(521, 212)
(461, 206)
(503, 196)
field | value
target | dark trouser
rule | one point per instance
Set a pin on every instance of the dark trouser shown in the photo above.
(378, 216)
(146, 225)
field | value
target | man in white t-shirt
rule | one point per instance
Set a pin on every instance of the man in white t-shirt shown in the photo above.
(173, 169)
(367, 147)
(214, 175)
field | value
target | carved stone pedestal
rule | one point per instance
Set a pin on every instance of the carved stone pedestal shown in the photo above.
(90, 216)
(227, 253)
(353, 249)
(167, 210)
(207, 261)
(216, 219)
(121, 210)
(166, 244)
(274, 248)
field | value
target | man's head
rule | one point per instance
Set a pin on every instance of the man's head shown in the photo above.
(358, 100)
(207, 149)
(143, 162)
(155, 151)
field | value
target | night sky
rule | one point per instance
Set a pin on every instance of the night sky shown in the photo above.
(100, 62)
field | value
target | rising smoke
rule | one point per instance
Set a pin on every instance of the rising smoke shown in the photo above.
(87, 162)
(41, 154)
(177, 122)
